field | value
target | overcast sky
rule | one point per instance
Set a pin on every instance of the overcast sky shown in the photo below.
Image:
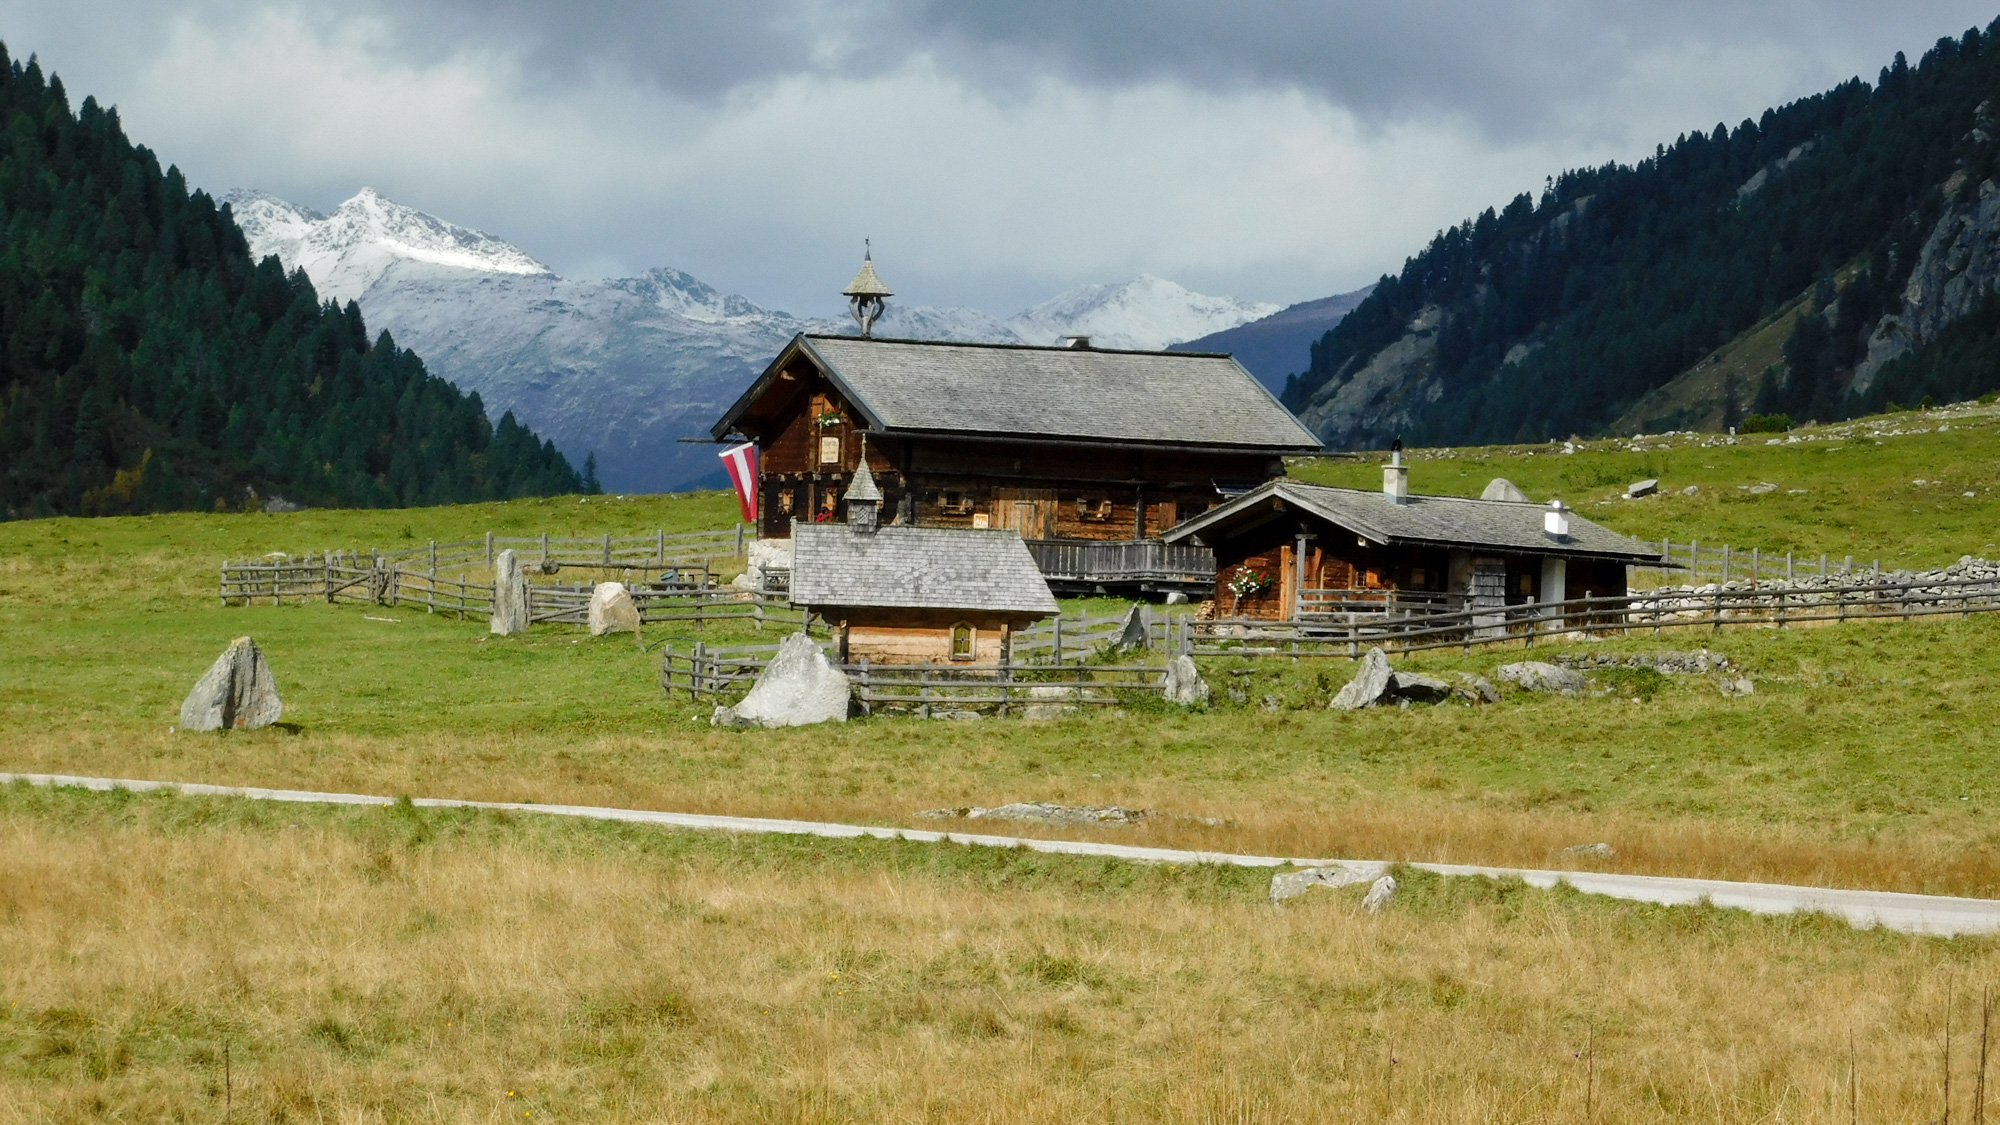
(1276, 150)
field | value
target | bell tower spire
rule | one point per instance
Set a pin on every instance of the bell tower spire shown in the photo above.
(867, 295)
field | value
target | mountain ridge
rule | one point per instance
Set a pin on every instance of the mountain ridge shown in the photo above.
(621, 368)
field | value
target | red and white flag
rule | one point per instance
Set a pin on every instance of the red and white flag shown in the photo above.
(741, 463)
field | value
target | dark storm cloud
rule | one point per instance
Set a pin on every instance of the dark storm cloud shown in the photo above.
(1513, 68)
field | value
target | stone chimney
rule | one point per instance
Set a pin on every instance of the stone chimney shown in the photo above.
(864, 500)
(1555, 521)
(1076, 343)
(1396, 476)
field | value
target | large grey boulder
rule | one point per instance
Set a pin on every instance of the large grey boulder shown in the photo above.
(1370, 685)
(237, 691)
(800, 686)
(1291, 884)
(1535, 675)
(1417, 688)
(510, 596)
(1134, 634)
(612, 609)
(1639, 488)
(1500, 488)
(1184, 684)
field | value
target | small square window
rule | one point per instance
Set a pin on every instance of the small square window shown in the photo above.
(962, 641)
(1417, 576)
(829, 451)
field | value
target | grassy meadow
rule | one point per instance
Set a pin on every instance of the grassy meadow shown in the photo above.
(404, 965)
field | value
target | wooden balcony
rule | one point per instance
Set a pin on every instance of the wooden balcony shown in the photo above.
(1126, 566)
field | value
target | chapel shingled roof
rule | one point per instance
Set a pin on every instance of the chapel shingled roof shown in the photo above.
(1090, 394)
(916, 568)
(1442, 521)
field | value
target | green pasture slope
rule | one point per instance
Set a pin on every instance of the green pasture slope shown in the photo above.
(1865, 758)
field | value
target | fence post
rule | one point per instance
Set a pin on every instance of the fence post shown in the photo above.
(1725, 562)
(1059, 653)
(545, 546)
(1756, 565)
(1694, 559)
(924, 691)
(739, 540)
(607, 550)
(660, 546)
(694, 669)
(867, 698)
(489, 548)
(1788, 566)
(667, 670)
(1718, 600)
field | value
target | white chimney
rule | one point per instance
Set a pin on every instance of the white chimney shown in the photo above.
(1555, 521)
(1396, 476)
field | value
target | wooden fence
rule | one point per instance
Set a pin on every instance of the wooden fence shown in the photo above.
(1656, 611)
(280, 576)
(1684, 561)
(1062, 639)
(726, 672)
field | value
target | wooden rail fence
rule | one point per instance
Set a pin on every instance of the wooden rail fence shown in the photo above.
(1708, 609)
(926, 690)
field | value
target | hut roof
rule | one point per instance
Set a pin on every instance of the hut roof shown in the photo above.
(1087, 394)
(916, 568)
(1436, 521)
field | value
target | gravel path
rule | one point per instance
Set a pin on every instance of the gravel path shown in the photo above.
(1938, 915)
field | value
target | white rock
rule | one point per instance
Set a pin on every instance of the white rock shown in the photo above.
(1184, 684)
(1292, 884)
(1534, 675)
(1500, 488)
(510, 596)
(1641, 488)
(237, 691)
(1593, 851)
(612, 609)
(1370, 684)
(1051, 701)
(1379, 894)
(800, 686)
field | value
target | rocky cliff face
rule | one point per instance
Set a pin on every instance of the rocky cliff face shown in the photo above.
(1959, 265)
(1373, 404)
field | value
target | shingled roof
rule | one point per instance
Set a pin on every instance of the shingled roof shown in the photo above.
(1090, 394)
(916, 568)
(1434, 521)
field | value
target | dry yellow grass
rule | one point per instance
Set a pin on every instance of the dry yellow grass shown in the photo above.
(395, 965)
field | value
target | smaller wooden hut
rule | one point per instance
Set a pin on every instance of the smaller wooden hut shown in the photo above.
(1289, 550)
(914, 595)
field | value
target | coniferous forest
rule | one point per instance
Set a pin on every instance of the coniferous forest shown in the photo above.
(1557, 313)
(147, 364)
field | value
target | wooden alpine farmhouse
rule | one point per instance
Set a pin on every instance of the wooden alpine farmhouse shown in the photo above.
(1289, 551)
(1062, 445)
(908, 595)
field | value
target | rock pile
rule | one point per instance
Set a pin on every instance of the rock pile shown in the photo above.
(1376, 684)
(1804, 590)
(1699, 662)
(1043, 812)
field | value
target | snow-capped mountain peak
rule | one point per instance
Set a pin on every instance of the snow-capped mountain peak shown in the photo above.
(1146, 313)
(365, 237)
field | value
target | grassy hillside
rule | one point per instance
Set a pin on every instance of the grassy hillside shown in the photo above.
(1891, 487)
(370, 964)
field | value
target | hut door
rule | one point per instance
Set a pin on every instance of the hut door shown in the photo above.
(1489, 583)
(1030, 512)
